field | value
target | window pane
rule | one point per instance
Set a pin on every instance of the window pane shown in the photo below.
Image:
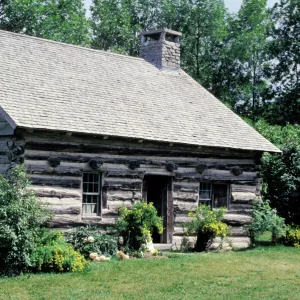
(91, 193)
(205, 191)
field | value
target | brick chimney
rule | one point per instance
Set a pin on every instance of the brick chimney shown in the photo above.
(161, 48)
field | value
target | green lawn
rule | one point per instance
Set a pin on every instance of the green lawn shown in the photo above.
(261, 273)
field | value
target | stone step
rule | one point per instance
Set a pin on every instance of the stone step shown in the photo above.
(163, 247)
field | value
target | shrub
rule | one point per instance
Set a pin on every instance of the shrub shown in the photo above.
(291, 237)
(137, 224)
(21, 215)
(54, 254)
(264, 219)
(206, 224)
(89, 239)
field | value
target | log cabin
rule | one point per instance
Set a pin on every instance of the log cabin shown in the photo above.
(97, 130)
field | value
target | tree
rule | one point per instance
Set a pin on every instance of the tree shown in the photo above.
(59, 20)
(204, 27)
(247, 53)
(285, 51)
(281, 172)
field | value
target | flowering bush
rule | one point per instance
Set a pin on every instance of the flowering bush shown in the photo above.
(137, 224)
(56, 255)
(89, 240)
(264, 219)
(292, 237)
(206, 224)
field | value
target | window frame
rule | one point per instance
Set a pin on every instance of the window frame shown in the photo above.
(210, 201)
(98, 194)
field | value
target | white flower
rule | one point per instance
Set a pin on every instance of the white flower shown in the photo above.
(91, 239)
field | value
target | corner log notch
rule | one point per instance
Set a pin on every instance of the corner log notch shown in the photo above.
(123, 165)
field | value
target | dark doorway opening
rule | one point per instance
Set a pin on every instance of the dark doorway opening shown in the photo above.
(158, 190)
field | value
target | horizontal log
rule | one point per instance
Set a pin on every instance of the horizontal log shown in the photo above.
(242, 209)
(179, 231)
(68, 221)
(72, 210)
(4, 159)
(181, 218)
(70, 144)
(217, 175)
(125, 174)
(243, 197)
(58, 181)
(186, 187)
(56, 192)
(231, 242)
(238, 231)
(177, 241)
(185, 196)
(52, 201)
(133, 185)
(4, 168)
(123, 195)
(144, 159)
(246, 188)
(235, 219)
(181, 207)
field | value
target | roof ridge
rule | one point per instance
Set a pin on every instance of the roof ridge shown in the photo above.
(70, 45)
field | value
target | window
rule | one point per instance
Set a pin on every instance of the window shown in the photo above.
(205, 192)
(214, 194)
(91, 194)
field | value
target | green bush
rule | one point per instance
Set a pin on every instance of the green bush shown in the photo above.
(265, 219)
(206, 224)
(281, 174)
(136, 225)
(89, 239)
(21, 216)
(54, 254)
(291, 237)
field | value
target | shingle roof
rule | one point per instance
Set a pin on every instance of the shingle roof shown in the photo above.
(55, 86)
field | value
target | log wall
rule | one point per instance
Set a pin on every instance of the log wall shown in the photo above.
(55, 163)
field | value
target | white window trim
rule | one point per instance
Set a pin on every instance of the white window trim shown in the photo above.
(98, 194)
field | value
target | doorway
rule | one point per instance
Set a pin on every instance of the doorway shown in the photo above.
(158, 190)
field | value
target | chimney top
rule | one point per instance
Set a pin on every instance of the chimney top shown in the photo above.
(156, 31)
(161, 48)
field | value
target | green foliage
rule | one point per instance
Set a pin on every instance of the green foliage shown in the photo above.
(281, 136)
(206, 224)
(265, 219)
(114, 26)
(281, 174)
(136, 224)
(292, 237)
(21, 215)
(89, 239)
(59, 20)
(54, 254)
(285, 51)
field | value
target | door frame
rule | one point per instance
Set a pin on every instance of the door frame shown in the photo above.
(167, 235)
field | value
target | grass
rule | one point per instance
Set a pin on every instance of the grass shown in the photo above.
(263, 272)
